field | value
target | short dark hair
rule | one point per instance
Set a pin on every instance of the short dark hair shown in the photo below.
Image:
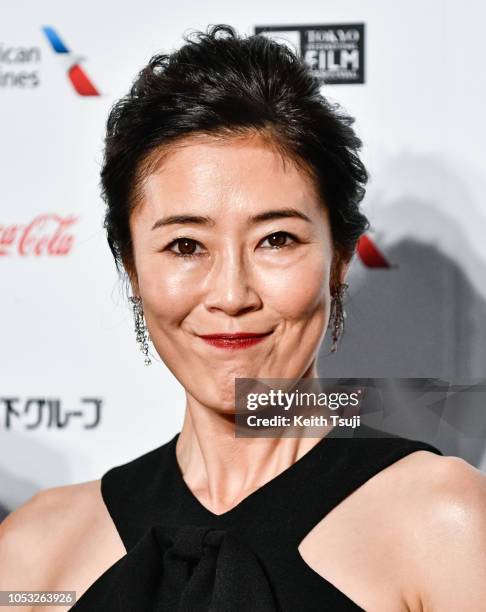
(225, 85)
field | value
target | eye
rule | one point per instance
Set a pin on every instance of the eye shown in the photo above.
(278, 240)
(186, 247)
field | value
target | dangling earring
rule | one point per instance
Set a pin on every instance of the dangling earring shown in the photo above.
(140, 327)
(337, 316)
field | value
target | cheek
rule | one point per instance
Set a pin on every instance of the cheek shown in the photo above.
(299, 290)
(166, 294)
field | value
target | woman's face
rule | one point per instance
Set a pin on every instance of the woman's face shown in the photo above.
(256, 257)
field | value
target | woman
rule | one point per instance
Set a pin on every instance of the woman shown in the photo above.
(233, 191)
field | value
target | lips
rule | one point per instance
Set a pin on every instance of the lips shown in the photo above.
(236, 340)
(234, 336)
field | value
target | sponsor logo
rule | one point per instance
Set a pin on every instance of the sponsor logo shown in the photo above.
(34, 413)
(335, 53)
(80, 81)
(370, 254)
(19, 66)
(46, 234)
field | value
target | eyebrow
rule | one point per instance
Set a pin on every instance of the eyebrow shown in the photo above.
(281, 213)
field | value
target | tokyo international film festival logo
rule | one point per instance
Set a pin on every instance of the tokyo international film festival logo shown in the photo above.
(334, 52)
(75, 72)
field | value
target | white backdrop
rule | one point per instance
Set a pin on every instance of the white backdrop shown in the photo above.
(66, 329)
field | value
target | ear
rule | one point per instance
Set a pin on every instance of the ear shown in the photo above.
(343, 270)
(134, 284)
(132, 277)
(339, 270)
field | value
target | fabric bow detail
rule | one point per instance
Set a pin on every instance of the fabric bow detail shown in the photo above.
(183, 569)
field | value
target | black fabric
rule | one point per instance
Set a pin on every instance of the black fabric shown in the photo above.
(185, 569)
(183, 558)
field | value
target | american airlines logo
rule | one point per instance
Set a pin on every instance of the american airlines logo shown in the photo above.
(76, 74)
(370, 254)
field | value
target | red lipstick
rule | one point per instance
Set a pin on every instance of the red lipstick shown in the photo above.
(234, 341)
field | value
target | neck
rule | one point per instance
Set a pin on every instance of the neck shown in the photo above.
(222, 470)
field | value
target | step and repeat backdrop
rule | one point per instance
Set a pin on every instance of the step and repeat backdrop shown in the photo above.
(75, 395)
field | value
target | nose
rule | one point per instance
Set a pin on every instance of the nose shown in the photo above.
(229, 284)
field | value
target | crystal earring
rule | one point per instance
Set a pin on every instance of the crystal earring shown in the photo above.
(337, 316)
(140, 327)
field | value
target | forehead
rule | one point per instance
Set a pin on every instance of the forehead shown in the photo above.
(224, 178)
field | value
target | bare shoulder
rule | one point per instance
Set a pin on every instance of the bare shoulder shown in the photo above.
(437, 491)
(444, 531)
(61, 538)
(396, 539)
(432, 527)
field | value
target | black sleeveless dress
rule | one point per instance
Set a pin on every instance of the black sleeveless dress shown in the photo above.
(183, 558)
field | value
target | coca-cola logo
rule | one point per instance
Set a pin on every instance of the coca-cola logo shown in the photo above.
(46, 234)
